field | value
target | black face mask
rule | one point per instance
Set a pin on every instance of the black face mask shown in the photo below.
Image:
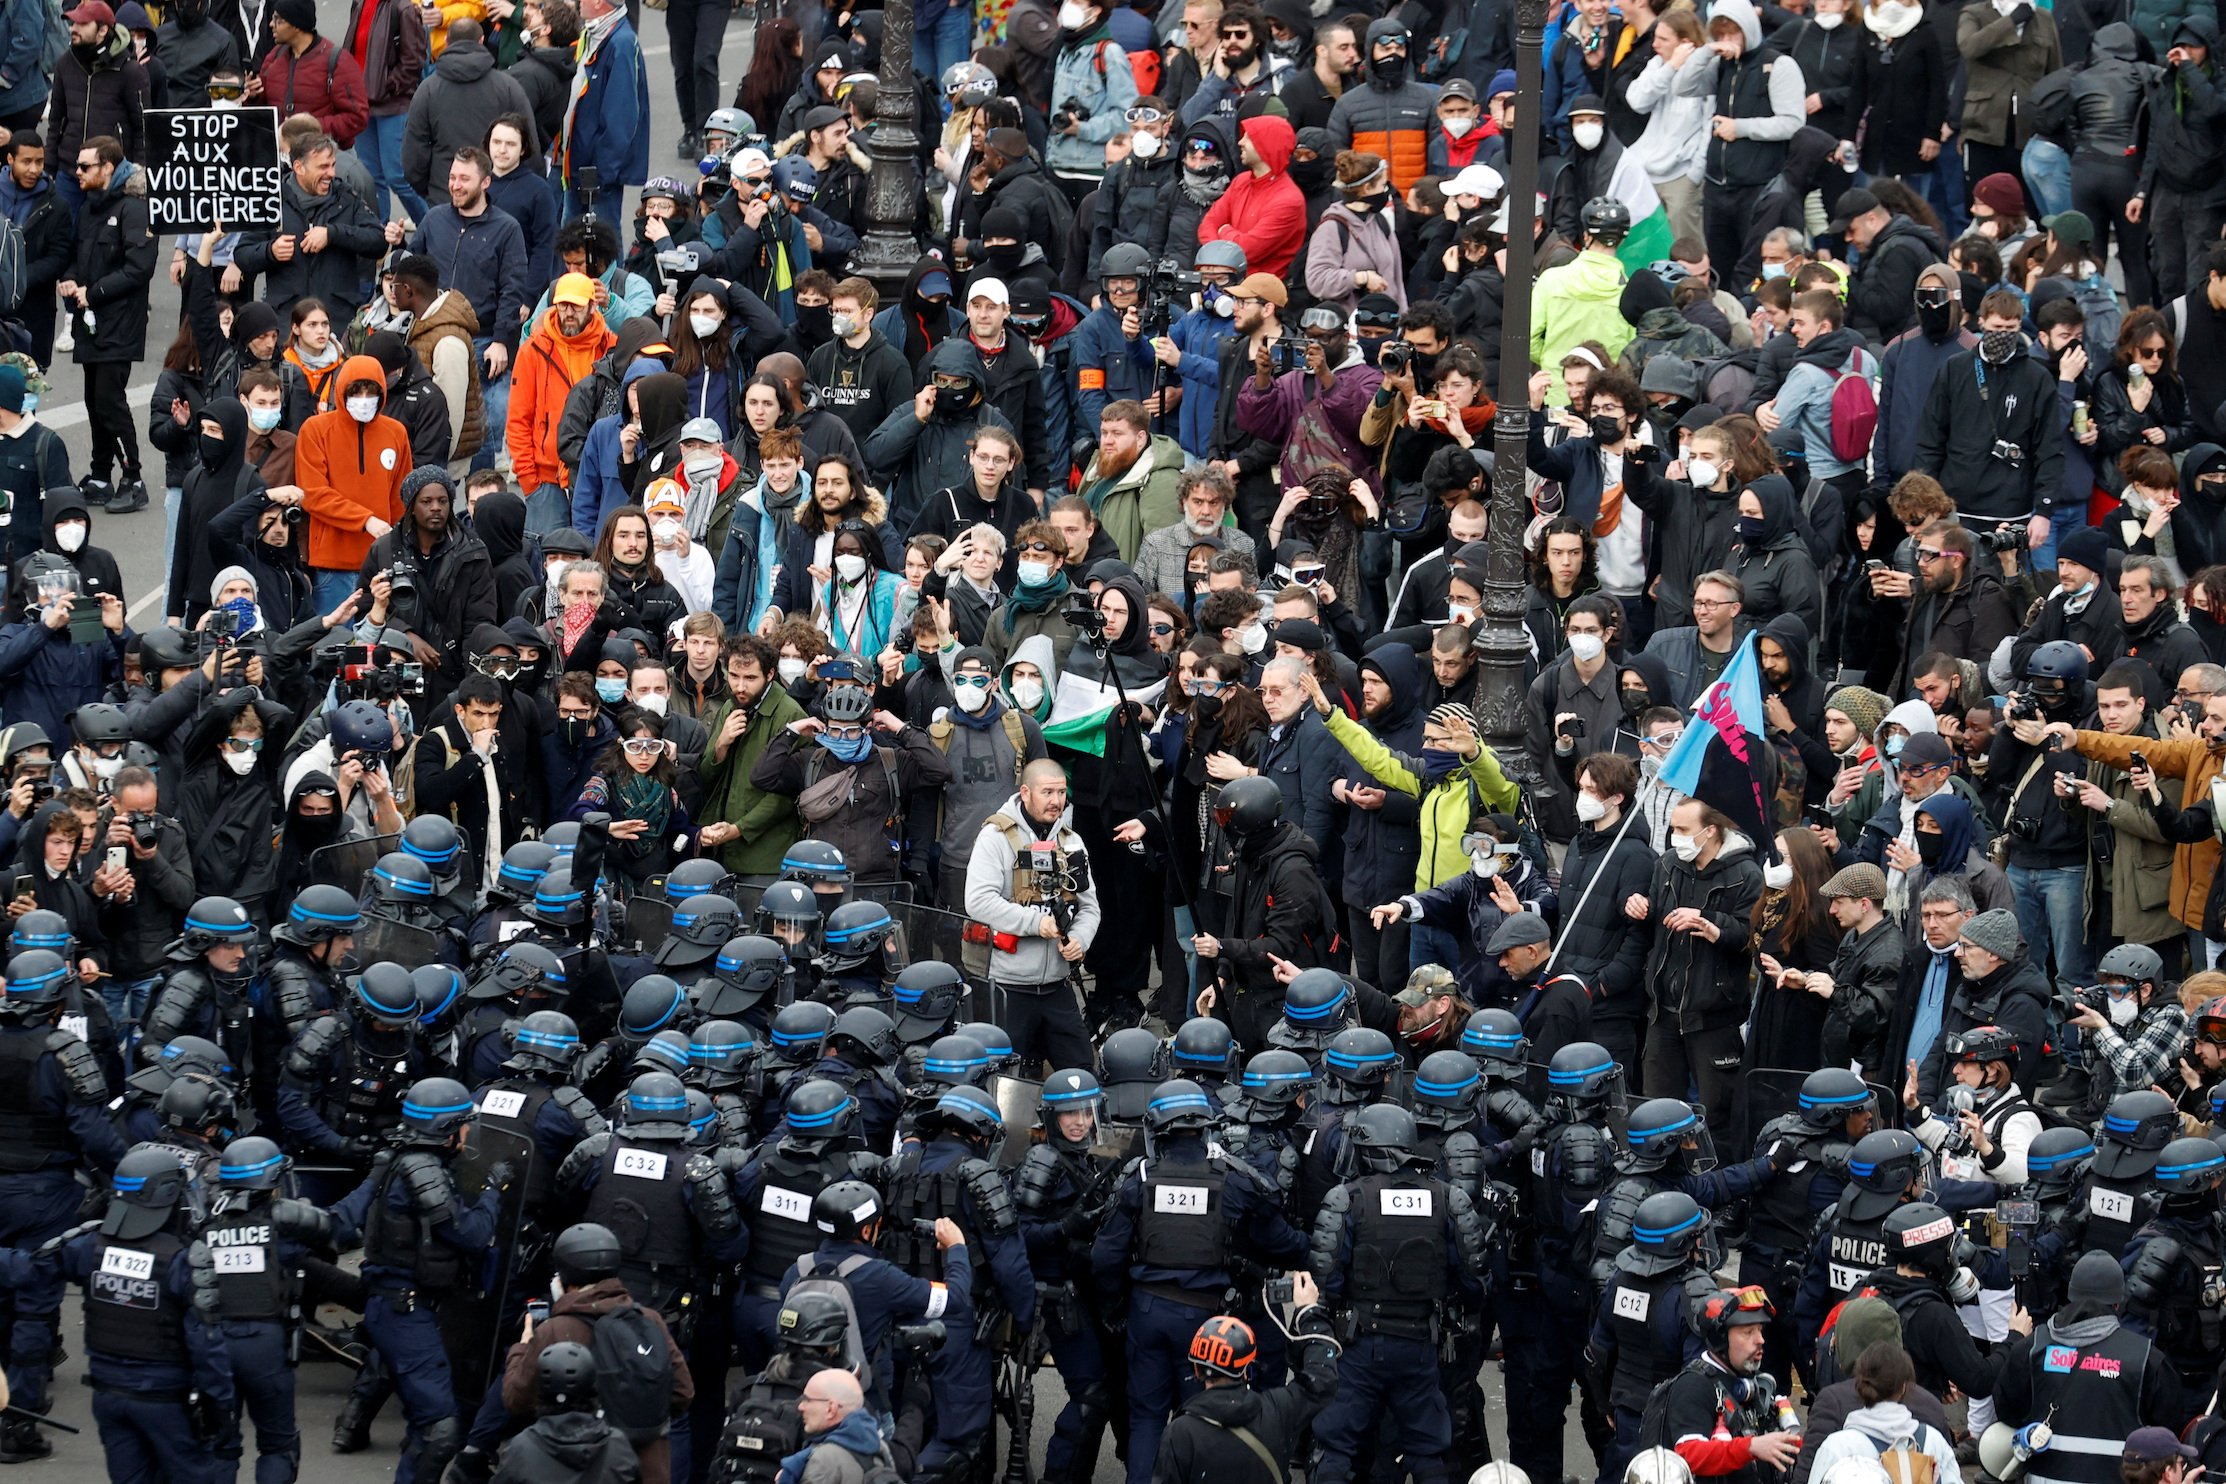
(1425, 366)
(312, 830)
(1389, 74)
(1005, 259)
(212, 451)
(953, 401)
(1207, 707)
(817, 322)
(1750, 529)
(1929, 847)
(1636, 702)
(1938, 320)
(575, 729)
(1310, 175)
(1607, 429)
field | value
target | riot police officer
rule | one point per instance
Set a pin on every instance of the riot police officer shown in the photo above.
(401, 891)
(1447, 1090)
(702, 924)
(848, 1217)
(723, 1062)
(952, 1176)
(821, 869)
(534, 1102)
(1395, 1250)
(764, 1426)
(1062, 1189)
(947, 1062)
(1356, 1067)
(1548, 1306)
(1204, 1050)
(156, 1356)
(259, 1276)
(789, 913)
(860, 1055)
(2172, 1264)
(1257, 1123)
(53, 1120)
(1318, 1003)
(435, 840)
(774, 1193)
(1131, 1065)
(746, 984)
(83, 1012)
(199, 1116)
(1810, 1148)
(1640, 1336)
(346, 1074)
(309, 951)
(523, 865)
(1925, 1280)
(524, 978)
(2041, 1256)
(928, 996)
(1183, 1218)
(796, 1039)
(421, 1242)
(653, 1005)
(1885, 1169)
(205, 991)
(1494, 1040)
(2120, 1195)
(440, 1000)
(563, 915)
(137, 1112)
(857, 960)
(1667, 1147)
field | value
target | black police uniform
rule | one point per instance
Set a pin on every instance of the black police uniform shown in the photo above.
(342, 1086)
(2169, 1264)
(880, 1101)
(259, 1274)
(194, 1000)
(669, 1206)
(1545, 1312)
(1781, 1222)
(1641, 1338)
(1062, 1194)
(774, 1196)
(885, 1294)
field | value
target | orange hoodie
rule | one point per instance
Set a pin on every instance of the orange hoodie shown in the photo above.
(548, 366)
(1263, 214)
(350, 472)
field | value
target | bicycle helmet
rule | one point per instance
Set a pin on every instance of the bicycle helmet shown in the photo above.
(1606, 219)
(1126, 260)
(1221, 253)
(564, 1377)
(846, 1209)
(585, 1253)
(969, 84)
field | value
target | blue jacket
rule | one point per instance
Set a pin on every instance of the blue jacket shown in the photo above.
(1463, 908)
(23, 81)
(484, 258)
(1093, 71)
(746, 563)
(884, 1293)
(596, 489)
(606, 132)
(1008, 1251)
(532, 204)
(1127, 364)
(1304, 763)
(1062, 410)
(469, 1229)
(1198, 335)
(43, 677)
(97, 1140)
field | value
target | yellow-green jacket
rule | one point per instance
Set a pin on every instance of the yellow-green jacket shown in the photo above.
(1446, 806)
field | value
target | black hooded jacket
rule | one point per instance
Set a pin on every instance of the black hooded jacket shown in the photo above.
(228, 819)
(97, 571)
(499, 521)
(1199, 1442)
(209, 492)
(451, 777)
(2187, 123)
(1600, 943)
(595, 395)
(1803, 696)
(1776, 567)
(455, 587)
(1882, 301)
(282, 588)
(2199, 523)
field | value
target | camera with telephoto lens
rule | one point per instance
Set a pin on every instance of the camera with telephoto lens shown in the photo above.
(1395, 356)
(1082, 615)
(2004, 538)
(146, 828)
(916, 1339)
(362, 678)
(1166, 294)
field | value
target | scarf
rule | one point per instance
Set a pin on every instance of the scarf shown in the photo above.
(1036, 599)
(702, 494)
(848, 749)
(592, 36)
(641, 796)
(577, 617)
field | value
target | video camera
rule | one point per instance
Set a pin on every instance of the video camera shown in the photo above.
(1082, 615)
(1287, 353)
(363, 677)
(1167, 293)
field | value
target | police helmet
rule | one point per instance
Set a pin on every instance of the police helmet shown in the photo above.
(845, 1209)
(149, 1182)
(821, 1109)
(1499, 1472)
(1583, 1073)
(523, 866)
(434, 1108)
(1357, 1061)
(691, 878)
(791, 904)
(208, 922)
(1178, 1106)
(1879, 1171)
(857, 932)
(1131, 1064)
(1716, 1316)
(1072, 1090)
(2187, 1167)
(1224, 1345)
(2058, 1157)
(1383, 1135)
(562, 837)
(522, 969)
(870, 1031)
(654, 1003)
(402, 878)
(1244, 806)
(666, 1051)
(433, 839)
(319, 914)
(1446, 1087)
(1666, 1229)
(967, 1112)
(1494, 1040)
(586, 1253)
(385, 992)
(703, 1119)
(954, 1061)
(546, 1040)
(183, 1054)
(996, 1043)
(927, 996)
(1276, 1078)
(200, 1105)
(798, 1034)
(1923, 1236)
(564, 1376)
(813, 1320)
(1607, 219)
(1316, 1006)
(655, 1101)
(40, 928)
(36, 980)
(722, 1053)
(252, 1163)
(815, 863)
(969, 84)
(1127, 260)
(2135, 1128)
(1832, 1095)
(1658, 1133)
(1203, 1046)
(557, 901)
(701, 926)
(439, 987)
(747, 970)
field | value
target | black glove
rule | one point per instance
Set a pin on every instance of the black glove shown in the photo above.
(204, 1418)
(362, 1146)
(501, 1175)
(1077, 1223)
(301, 1221)
(2023, 15)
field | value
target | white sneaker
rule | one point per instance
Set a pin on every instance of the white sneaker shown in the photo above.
(64, 341)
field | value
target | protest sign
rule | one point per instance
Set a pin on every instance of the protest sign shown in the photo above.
(211, 167)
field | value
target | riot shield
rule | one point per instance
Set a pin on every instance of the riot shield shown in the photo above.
(1764, 1093)
(383, 940)
(477, 1325)
(1018, 1103)
(344, 865)
(1399, 1087)
(648, 919)
(1120, 1142)
(747, 889)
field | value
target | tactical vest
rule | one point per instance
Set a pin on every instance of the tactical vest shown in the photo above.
(780, 1219)
(1319, 1137)
(1568, 1166)
(641, 1195)
(1635, 1315)
(404, 1240)
(130, 1313)
(483, 1021)
(1398, 1276)
(916, 1194)
(1852, 1252)
(1782, 1216)
(511, 1105)
(364, 1093)
(30, 1131)
(1021, 890)
(763, 1428)
(2114, 1212)
(1180, 1224)
(251, 1280)
(2092, 1394)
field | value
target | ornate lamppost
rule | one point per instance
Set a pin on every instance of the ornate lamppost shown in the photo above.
(888, 251)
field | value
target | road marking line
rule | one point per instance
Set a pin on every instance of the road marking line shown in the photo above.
(75, 413)
(143, 605)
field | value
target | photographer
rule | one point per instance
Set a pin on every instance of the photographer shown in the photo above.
(1986, 1125)
(1992, 428)
(1248, 459)
(1606, 476)
(144, 910)
(1028, 880)
(430, 578)
(27, 756)
(2048, 830)
(1313, 414)
(2133, 856)
(355, 750)
(44, 673)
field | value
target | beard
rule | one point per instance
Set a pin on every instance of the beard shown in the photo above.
(1113, 464)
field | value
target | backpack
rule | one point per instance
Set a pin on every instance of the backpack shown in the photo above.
(1143, 66)
(1854, 412)
(2099, 302)
(1906, 1462)
(56, 43)
(1062, 226)
(1300, 297)
(633, 1373)
(835, 1282)
(941, 730)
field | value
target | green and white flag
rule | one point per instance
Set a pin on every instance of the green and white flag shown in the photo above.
(1080, 707)
(1650, 237)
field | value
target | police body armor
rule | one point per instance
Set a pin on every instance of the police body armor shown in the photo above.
(2116, 1210)
(251, 1280)
(129, 1312)
(916, 1195)
(1180, 1223)
(1613, 1218)
(1318, 1136)
(1853, 1250)
(1398, 1277)
(1570, 1166)
(1268, 1153)
(404, 1240)
(484, 1020)
(1457, 1158)
(780, 1219)
(177, 1008)
(363, 1095)
(1635, 1310)
(2166, 1286)
(29, 1133)
(1780, 1216)
(2092, 1396)
(511, 1105)
(641, 1195)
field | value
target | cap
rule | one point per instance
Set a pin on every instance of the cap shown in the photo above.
(573, 288)
(1588, 103)
(1925, 750)
(2000, 192)
(1852, 204)
(1302, 632)
(1859, 880)
(2072, 227)
(664, 494)
(1431, 981)
(1457, 87)
(1519, 931)
(2155, 1444)
(934, 281)
(746, 160)
(992, 289)
(832, 57)
(822, 116)
(1263, 286)
(1480, 181)
(701, 430)
(1010, 143)
(93, 12)
(1995, 931)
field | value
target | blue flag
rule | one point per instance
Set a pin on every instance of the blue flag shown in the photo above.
(1724, 757)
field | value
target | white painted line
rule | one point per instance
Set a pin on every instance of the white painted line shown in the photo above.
(143, 605)
(72, 415)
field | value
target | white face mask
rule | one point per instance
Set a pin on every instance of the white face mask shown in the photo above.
(1254, 639)
(665, 529)
(1027, 693)
(971, 697)
(1484, 862)
(1073, 16)
(363, 409)
(705, 325)
(1587, 647)
(849, 567)
(701, 464)
(1588, 136)
(241, 763)
(1829, 20)
(792, 670)
(2125, 1011)
(106, 768)
(1704, 473)
(1460, 612)
(1455, 128)
(1686, 846)
(555, 576)
(70, 535)
(1778, 875)
(1590, 809)
(654, 703)
(1144, 146)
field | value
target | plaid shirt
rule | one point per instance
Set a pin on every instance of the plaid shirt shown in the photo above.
(2161, 1035)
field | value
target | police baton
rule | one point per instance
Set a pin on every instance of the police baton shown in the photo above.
(27, 1416)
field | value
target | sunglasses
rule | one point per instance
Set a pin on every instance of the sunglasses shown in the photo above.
(979, 682)
(226, 90)
(1144, 115)
(1929, 554)
(1162, 630)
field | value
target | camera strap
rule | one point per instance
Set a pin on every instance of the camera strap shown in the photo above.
(1993, 412)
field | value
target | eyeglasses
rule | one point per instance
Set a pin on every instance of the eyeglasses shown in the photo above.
(643, 746)
(1929, 554)
(1714, 603)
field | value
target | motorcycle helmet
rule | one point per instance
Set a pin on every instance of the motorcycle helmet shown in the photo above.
(1245, 806)
(1223, 1346)
(846, 1209)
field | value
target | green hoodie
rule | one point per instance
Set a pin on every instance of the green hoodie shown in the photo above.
(1574, 303)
